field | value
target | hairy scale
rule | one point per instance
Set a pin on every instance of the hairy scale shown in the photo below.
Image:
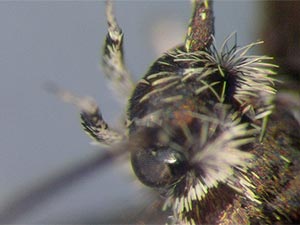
(199, 131)
(204, 128)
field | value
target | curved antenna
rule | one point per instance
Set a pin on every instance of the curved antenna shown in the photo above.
(90, 114)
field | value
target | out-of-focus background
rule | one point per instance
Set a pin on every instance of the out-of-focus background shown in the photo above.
(60, 41)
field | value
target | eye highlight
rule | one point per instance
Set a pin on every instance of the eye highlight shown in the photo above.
(197, 125)
(203, 128)
(159, 167)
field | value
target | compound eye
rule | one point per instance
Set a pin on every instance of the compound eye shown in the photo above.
(158, 167)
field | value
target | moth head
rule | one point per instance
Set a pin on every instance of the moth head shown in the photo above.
(185, 162)
(195, 118)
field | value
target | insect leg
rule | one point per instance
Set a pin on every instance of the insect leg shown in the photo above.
(113, 57)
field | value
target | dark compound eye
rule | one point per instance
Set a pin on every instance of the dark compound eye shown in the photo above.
(158, 167)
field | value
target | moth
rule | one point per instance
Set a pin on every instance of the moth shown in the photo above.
(204, 128)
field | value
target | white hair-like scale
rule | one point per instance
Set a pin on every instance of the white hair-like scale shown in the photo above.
(220, 157)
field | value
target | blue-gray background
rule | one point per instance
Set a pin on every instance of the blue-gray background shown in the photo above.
(57, 41)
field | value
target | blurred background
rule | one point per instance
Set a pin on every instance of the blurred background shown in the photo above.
(61, 41)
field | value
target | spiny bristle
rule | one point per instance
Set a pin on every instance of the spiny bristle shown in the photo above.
(239, 88)
(244, 79)
(252, 73)
(218, 160)
(219, 157)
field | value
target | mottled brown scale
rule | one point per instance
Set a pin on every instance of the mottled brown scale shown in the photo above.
(275, 175)
(275, 171)
(182, 114)
(190, 101)
(163, 135)
(201, 27)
